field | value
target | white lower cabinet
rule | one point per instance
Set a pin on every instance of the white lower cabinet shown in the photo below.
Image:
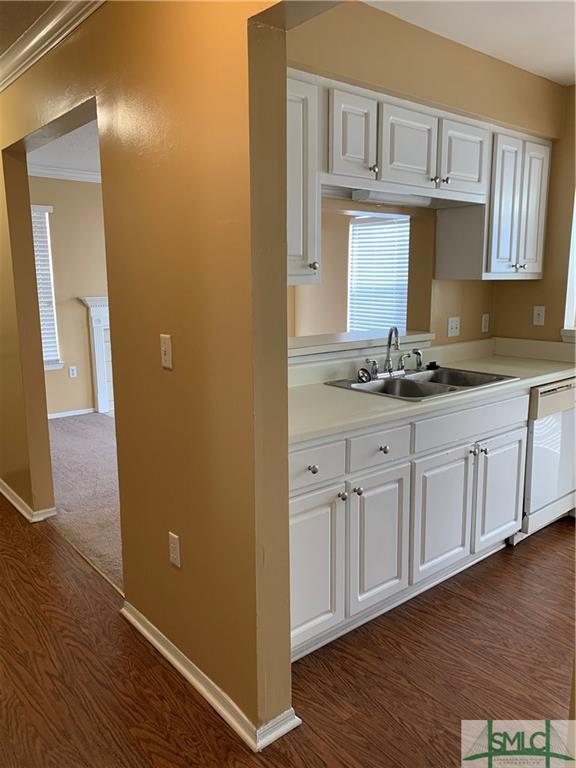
(442, 510)
(378, 537)
(500, 488)
(317, 562)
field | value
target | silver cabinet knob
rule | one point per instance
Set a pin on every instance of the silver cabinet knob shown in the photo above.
(374, 168)
(484, 451)
(474, 451)
(447, 180)
(343, 495)
(384, 449)
(314, 468)
(314, 266)
(358, 491)
(522, 266)
(435, 179)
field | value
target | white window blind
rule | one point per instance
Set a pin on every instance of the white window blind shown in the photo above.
(378, 273)
(45, 285)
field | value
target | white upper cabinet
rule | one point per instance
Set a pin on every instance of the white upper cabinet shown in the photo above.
(464, 157)
(352, 145)
(408, 146)
(303, 192)
(506, 192)
(533, 206)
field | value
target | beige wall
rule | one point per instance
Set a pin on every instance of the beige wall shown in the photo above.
(323, 308)
(194, 457)
(358, 44)
(79, 264)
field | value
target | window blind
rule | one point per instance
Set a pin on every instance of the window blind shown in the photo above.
(45, 284)
(378, 273)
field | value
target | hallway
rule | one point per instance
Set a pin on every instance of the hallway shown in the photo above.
(80, 689)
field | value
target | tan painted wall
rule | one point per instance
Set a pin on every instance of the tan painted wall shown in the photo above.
(358, 44)
(194, 457)
(323, 308)
(79, 264)
(513, 302)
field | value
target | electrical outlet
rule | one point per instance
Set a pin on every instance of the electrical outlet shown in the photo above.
(538, 315)
(174, 548)
(453, 326)
(166, 351)
(72, 371)
(485, 323)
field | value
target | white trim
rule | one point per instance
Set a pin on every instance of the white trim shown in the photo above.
(64, 414)
(57, 365)
(57, 21)
(67, 174)
(255, 738)
(568, 335)
(570, 307)
(33, 516)
(99, 322)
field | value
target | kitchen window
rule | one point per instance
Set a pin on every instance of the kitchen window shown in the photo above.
(45, 286)
(379, 249)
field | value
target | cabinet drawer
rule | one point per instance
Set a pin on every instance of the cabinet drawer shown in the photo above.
(380, 448)
(330, 461)
(471, 423)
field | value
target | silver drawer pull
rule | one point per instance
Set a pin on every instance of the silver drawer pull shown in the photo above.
(314, 468)
(474, 451)
(384, 449)
(314, 266)
(358, 491)
(484, 451)
(343, 495)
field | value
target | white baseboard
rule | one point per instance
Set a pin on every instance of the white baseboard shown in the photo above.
(63, 414)
(256, 738)
(33, 516)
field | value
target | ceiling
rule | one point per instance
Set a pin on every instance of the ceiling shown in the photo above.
(536, 35)
(74, 155)
(16, 17)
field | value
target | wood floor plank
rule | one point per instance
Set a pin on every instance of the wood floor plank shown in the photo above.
(80, 688)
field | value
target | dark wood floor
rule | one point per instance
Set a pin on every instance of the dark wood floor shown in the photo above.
(79, 688)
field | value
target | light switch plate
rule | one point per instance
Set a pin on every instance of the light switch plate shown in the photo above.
(453, 326)
(485, 323)
(174, 548)
(166, 351)
(72, 371)
(538, 315)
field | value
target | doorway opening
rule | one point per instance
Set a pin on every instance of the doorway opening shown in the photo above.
(65, 188)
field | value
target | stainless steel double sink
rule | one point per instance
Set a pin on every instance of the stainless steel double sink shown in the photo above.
(420, 385)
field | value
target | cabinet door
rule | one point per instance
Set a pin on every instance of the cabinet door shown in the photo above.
(317, 563)
(442, 504)
(533, 206)
(500, 488)
(408, 146)
(352, 134)
(379, 535)
(464, 157)
(505, 207)
(303, 192)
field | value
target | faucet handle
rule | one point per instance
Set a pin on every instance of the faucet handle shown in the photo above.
(419, 362)
(373, 366)
(401, 360)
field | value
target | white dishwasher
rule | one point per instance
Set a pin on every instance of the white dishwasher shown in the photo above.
(550, 490)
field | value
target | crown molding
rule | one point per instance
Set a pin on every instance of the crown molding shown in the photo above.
(67, 174)
(57, 21)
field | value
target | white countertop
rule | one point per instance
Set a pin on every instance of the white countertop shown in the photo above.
(316, 410)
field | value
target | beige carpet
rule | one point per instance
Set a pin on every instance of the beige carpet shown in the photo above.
(86, 488)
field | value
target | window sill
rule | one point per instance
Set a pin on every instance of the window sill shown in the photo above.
(568, 335)
(57, 366)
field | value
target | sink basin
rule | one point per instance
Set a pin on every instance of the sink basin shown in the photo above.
(421, 385)
(404, 387)
(458, 378)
